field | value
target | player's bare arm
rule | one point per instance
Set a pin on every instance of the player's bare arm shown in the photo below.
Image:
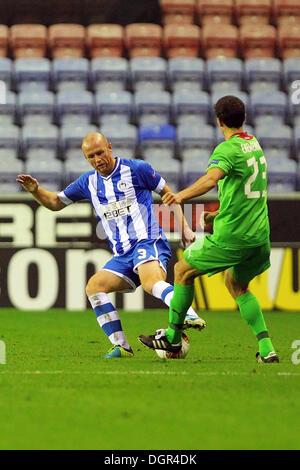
(187, 234)
(201, 186)
(45, 198)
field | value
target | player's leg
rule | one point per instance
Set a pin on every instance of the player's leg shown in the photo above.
(236, 281)
(99, 285)
(153, 280)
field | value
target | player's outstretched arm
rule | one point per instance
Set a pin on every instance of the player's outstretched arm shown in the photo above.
(201, 186)
(45, 198)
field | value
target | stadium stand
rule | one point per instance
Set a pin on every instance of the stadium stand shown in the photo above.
(6, 71)
(281, 177)
(70, 141)
(36, 107)
(222, 41)
(157, 142)
(268, 106)
(218, 12)
(66, 40)
(8, 108)
(289, 40)
(263, 74)
(70, 73)
(28, 40)
(32, 72)
(74, 106)
(253, 11)
(124, 138)
(143, 40)
(257, 40)
(40, 142)
(113, 107)
(225, 74)
(109, 73)
(148, 73)
(178, 11)
(286, 11)
(9, 142)
(276, 140)
(105, 40)
(154, 108)
(49, 172)
(291, 71)
(182, 40)
(186, 73)
(191, 107)
(195, 142)
(3, 40)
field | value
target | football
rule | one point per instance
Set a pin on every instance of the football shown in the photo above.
(181, 354)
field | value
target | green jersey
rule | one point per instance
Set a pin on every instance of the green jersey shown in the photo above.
(243, 215)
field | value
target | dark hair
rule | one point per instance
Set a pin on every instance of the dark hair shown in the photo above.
(231, 111)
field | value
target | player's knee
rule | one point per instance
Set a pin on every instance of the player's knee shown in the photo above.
(95, 284)
(234, 287)
(182, 275)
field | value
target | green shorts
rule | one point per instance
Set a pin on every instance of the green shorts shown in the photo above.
(245, 263)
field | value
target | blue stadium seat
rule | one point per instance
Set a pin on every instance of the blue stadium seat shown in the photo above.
(72, 172)
(157, 141)
(276, 140)
(291, 72)
(195, 142)
(124, 139)
(6, 71)
(152, 108)
(191, 106)
(225, 74)
(268, 106)
(49, 173)
(74, 107)
(8, 109)
(71, 138)
(186, 73)
(70, 73)
(109, 73)
(40, 141)
(32, 72)
(263, 74)
(9, 169)
(114, 106)
(36, 106)
(9, 141)
(148, 73)
(282, 175)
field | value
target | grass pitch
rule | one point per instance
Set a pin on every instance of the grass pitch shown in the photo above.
(57, 391)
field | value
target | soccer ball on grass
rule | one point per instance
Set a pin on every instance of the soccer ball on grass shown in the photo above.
(181, 354)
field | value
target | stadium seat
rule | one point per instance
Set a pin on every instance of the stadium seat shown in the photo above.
(276, 140)
(289, 40)
(66, 40)
(182, 40)
(253, 11)
(124, 139)
(193, 168)
(8, 109)
(186, 73)
(49, 172)
(257, 40)
(263, 73)
(195, 142)
(268, 106)
(143, 39)
(157, 141)
(286, 12)
(9, 141)
(297, 142)
(171, 171)
(293, 104)
(221, 41)
(178, 11)
(72, 172)
(9, 169)
(114, 106)
(109, 73)
(28, 40)
(70, 73)
(40, 142)
(3, 40)
(105, 40)
(32, 72)
(71, 138)
(217, 12)
(74, 106)
(152, 108)
(36, 107)
(6, 68)
(191, 107)
(291, 71)
(148, 73)
(282, 175)
(225, 73)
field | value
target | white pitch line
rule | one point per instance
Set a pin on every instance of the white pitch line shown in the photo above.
(144, 372)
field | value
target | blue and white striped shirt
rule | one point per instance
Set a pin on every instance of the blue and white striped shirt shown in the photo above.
(122, 201)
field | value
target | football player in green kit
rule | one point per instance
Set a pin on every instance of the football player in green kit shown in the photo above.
(240, 244)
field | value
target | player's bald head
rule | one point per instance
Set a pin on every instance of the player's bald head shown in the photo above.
(92, 140)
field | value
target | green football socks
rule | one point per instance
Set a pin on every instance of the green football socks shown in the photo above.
(180, 303)
(252, 314)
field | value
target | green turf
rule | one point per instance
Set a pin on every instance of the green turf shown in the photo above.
(57, 392)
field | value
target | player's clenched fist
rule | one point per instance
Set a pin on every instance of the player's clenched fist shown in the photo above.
(171, 198)
(28, 182)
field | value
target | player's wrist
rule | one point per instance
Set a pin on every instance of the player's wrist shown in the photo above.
(35, 190)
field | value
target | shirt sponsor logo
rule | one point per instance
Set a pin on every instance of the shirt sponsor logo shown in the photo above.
(117, 209)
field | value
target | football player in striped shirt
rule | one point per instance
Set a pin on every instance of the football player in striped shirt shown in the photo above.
(120, 191)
